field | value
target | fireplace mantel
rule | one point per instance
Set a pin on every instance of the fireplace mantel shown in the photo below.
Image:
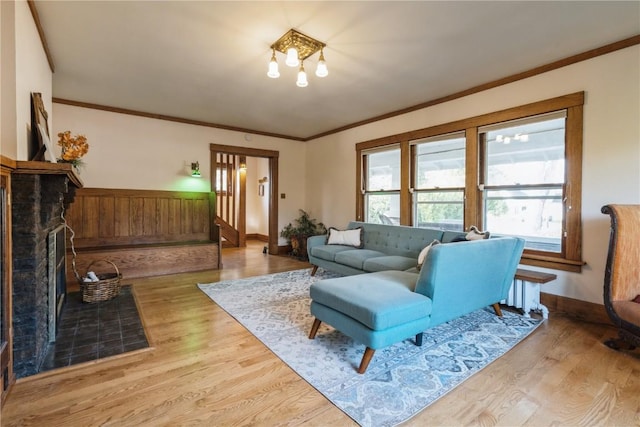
(48, 168)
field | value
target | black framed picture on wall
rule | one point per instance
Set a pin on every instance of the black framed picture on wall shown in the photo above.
(40, 146)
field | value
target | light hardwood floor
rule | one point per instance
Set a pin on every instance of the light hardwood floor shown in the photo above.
(204, 369)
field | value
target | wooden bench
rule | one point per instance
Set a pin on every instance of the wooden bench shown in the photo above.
(525, 291)
(143, 232)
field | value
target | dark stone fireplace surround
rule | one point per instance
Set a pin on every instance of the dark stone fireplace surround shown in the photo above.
(37, 205)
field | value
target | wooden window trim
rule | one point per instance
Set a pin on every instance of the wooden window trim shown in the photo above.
(571, 258)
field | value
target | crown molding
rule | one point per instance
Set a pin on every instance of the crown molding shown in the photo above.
(43, 39)
(170, 118)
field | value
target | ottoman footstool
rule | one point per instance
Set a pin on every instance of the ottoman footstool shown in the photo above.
(376, 309)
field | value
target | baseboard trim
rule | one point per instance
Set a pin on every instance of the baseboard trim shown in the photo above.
(284, 250)
(581, 310)
(257, 236)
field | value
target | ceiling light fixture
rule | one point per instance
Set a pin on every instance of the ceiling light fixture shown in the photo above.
(297, 47)
(302, 77)
(273, 67)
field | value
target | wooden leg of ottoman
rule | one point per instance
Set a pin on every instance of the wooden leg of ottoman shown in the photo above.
(364, 364)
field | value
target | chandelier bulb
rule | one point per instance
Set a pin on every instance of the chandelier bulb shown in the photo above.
(302, 77)
(273, 67)
(321, 70)
(292, 57)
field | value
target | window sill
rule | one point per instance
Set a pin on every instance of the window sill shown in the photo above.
(553, 263)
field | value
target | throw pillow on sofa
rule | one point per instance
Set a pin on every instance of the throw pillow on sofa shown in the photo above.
(475, 234)
(424, 252)
(351, 237)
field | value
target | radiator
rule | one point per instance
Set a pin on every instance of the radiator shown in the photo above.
(526, 296)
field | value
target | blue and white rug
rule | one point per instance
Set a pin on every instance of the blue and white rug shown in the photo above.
(401, 380)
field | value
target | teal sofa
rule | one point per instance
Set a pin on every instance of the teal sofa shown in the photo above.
(385, 247)
(381, 308)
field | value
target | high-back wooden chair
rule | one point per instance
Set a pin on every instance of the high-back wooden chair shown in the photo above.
(622, 275)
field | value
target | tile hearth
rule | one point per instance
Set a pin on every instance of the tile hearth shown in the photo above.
(92, 331)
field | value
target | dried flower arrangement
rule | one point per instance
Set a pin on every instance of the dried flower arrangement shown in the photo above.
(73, 148)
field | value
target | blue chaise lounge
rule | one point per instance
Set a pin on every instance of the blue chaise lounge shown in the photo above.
(382, 308)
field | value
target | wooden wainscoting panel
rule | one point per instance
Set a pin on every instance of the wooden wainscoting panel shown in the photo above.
(175, 217)
(107, 211)
(136, 226)
(150, 217)
(187, 216)
(107, 217)
(144, 232)
(163, 216)
(90, 217)
(122, 215)
(200, 216)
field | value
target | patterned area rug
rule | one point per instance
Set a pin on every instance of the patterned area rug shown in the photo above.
(401, 380)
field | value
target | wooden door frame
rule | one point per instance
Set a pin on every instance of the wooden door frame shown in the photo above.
(272, 156)
(7, 377)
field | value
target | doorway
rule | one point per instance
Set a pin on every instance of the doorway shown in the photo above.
(229, 182)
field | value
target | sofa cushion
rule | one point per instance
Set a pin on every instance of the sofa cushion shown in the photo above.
(378, 300)
(356, 257)
(328, 252)
(351, 237)
(390, 262)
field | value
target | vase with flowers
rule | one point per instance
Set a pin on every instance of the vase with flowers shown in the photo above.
(73, 148)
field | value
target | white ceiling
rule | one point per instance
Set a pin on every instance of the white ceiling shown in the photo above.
(207, 61)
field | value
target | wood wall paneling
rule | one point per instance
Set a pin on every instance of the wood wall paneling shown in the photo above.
(143, 232)
(107, 217)
(127, 217)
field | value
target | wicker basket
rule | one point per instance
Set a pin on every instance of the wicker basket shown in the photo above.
(106, 288)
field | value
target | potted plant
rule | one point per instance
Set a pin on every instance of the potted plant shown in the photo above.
(297, 234)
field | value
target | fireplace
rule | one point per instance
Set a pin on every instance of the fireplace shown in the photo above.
(40, 193)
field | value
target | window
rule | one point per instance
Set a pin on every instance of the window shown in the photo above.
(438, 182)
(382, 186)
(524, 180)
(515, 172)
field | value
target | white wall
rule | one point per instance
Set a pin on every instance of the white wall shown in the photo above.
(8, 145)
(149, 154)
(611, 156)
(32, 75)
